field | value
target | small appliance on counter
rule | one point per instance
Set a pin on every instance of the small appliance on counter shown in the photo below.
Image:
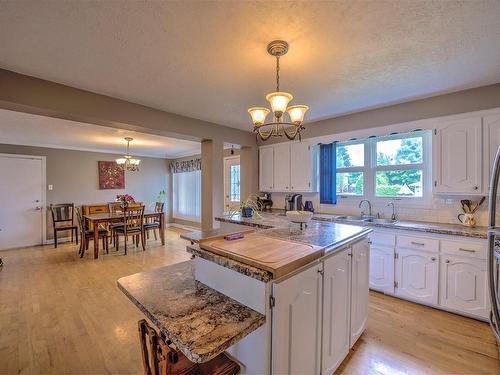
(308, 206)
(264, 201)
(293, 202)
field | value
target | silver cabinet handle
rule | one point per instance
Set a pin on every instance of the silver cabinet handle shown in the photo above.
(476, 187)
(38, 208)
(467, 250)
(447, 261)
(417, 243)
(433, 259)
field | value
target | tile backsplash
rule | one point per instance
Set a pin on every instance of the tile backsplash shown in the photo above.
(438, 209)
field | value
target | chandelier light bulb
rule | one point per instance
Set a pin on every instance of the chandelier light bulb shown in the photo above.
(258, 115)
(297, 113)
(279, 101)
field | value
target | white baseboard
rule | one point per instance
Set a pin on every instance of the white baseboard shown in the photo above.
(182, 226)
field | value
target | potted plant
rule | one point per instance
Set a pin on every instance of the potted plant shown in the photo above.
(247, 208)
(162, 195)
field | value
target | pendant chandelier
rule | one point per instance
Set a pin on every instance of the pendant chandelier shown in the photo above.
(127, 162)
(279, 106)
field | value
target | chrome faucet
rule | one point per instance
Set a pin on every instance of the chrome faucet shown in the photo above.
(393, 217)
(369, 206)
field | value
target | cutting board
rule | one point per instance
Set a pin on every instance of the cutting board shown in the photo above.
(274, 255)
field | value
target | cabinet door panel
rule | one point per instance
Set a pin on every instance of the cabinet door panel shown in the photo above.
(458, 157)
(382, 269)
(464, 285)
(266, 169)
(417, 275)
(336, 310)
(491, 144)
(296, 337)
(282, 167)
(359, 286)
(300, 166)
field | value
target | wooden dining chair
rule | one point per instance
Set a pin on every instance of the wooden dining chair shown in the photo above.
(63, 220)
(133, 219)
(87, 235)
(161, 357)
(154, 223)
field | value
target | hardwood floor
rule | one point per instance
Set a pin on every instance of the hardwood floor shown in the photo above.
(60, 314)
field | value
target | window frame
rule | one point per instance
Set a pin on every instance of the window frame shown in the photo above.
(362, 169)
(370, 168)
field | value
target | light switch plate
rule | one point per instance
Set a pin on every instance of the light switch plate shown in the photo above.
(51, 187)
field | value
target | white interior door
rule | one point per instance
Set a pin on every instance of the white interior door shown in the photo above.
(231, 182)
(21, 200)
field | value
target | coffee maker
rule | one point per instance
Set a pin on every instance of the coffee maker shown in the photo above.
(293, 202)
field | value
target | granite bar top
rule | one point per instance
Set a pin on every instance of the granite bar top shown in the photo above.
(277, 219)
(200, 321)
(417, 226)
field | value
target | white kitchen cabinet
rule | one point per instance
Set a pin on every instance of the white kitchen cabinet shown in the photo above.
(491, 141)
(359, 286)
(282, 167)
(266, 168)
(300, 167)
(382, 269)
(417, 275)
(286, 167)
(336, 310)
(457, 156)
(464, 285)
(296, 320)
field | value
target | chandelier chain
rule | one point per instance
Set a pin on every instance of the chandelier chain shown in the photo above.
(277, 73)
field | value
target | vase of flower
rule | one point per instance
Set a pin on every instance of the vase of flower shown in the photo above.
(125, 200)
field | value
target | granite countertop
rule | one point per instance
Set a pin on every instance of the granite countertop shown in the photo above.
(328, 236)
(277, 219)
(200, 321)
(417, 226)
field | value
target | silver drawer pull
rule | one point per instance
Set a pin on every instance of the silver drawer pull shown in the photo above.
(417, 243)
(467, 250)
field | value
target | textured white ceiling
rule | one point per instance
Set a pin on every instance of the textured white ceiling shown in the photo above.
(208, 60)
(33, 130)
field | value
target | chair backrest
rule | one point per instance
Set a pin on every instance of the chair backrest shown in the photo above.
(133, 218)
(115, 207)
(62, 212)
(79, 217)
(159, 206)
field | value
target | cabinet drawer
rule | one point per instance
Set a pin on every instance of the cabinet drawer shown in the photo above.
(383, 239)
(418, 243)
(473, 249)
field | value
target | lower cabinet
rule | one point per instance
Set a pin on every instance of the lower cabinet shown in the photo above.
(359, 287)
(336, 310)
(382, 269)
(319, 313)
(464, 285)
(296, 320)
(418, 275)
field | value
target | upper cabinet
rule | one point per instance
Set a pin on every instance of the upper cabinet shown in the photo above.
(491, 131)
(457, 155)
(266, 168)
(286, 167)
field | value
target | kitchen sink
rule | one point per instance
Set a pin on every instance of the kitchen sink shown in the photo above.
(382, 221)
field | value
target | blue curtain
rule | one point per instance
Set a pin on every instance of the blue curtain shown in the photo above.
(327, 173)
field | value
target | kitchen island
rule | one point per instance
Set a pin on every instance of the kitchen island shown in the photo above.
(301, 307)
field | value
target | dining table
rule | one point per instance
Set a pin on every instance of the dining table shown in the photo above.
(93, 221)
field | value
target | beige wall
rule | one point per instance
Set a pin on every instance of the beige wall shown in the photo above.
(74, 177)
(442, 105)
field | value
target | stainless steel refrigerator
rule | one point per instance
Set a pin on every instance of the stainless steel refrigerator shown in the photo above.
(494, 249)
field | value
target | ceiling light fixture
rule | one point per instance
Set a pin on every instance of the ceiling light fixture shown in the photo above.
(279, 105)
(127, 162)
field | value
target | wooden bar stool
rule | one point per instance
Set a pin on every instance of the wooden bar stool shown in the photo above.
(160, 357)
